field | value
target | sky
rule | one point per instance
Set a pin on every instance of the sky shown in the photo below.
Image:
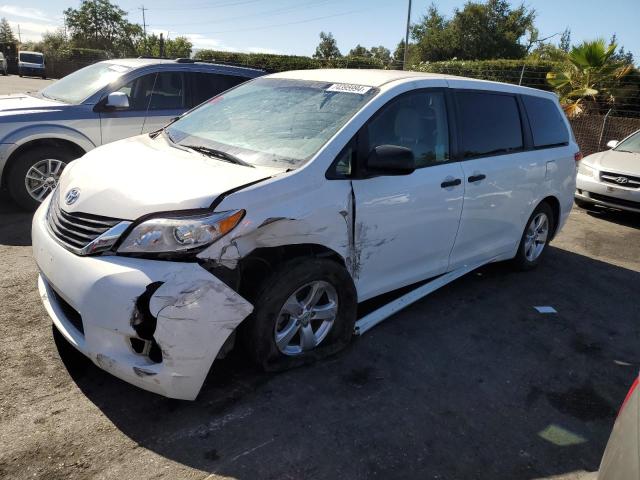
(293, 26)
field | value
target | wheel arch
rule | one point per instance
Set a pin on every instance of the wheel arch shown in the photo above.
(255, 268)
(554, 203)
(45, 141)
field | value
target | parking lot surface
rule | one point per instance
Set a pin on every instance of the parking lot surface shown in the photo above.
(16, 84)
(470, 382)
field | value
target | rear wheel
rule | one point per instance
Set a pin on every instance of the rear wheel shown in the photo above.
(35, 174)
(535, 238)
(304, 311)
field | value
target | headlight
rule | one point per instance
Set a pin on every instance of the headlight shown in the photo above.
(180, 234)
(586, 170)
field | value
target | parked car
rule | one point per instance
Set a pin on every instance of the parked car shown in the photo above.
(611, 178)
(621, 459)
(281, 204)
(3, 65)
(40, 133)
(31, 64)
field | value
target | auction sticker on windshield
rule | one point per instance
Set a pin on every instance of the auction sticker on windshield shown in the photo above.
(348, 88)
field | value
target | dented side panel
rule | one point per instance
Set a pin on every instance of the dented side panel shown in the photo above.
(319, 214)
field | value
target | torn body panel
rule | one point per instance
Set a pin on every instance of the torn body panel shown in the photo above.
(195, 312)
(315, 217)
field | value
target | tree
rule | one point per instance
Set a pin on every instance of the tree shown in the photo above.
(565, 40)
(327, 49)
(433, 36)
(590, 78)
(359, 51)
(381, 53)
(620, 55)
(179, 47)
(6, 33)
(99, 24)
(477, 32)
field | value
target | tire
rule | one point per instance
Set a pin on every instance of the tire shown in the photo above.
(16, 179)
(258, 332)
(527, 259)
(44, 77)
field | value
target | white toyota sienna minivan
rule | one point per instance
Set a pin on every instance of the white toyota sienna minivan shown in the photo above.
(265, 215)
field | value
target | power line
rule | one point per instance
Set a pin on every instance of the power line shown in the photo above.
(207, 6)
(265, 27)
(257, 14)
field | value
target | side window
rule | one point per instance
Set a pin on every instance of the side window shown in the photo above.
(139, 91)
(168, 92)
(207, 85)
(417, 121)
(547, 126)
(489, 123)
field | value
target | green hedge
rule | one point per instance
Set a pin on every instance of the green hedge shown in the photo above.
(280, 63)
(508, 71)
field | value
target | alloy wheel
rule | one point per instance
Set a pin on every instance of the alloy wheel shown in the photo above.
(306, 318)
(42, 178)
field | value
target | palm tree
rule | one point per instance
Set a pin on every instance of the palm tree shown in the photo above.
(590, 76)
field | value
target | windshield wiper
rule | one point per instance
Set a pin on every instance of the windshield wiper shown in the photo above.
(212, 152)
(625, 151)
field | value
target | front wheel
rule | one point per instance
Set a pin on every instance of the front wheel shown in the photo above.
(35, 174)
(535, 238)
(305, 311)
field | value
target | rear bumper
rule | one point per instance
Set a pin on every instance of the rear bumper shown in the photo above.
(589, 189)
(195, 312)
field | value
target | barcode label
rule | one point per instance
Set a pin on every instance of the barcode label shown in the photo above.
(348, 88)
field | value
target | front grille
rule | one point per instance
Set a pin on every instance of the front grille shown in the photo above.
(614, 201)
(620, 179)
(73, 316)
(76, 230)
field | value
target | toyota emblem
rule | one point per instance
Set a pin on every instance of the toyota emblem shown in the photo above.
(72, 196)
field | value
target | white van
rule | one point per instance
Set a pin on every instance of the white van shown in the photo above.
(264, 216)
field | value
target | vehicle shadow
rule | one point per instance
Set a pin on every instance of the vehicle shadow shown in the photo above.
(15, 224)
(626, 219)
(470, 382)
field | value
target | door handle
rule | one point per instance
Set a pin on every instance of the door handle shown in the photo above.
(451, 183)
(477, 178)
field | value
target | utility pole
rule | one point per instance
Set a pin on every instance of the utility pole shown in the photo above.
(19, 36)
(406, 38)
(144, 28)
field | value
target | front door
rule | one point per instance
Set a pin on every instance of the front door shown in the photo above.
(406, 225)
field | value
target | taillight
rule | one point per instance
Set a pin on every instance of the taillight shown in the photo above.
(577, 156)
(634, 385)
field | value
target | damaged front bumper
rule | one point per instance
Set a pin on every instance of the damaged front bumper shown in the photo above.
(94, 303)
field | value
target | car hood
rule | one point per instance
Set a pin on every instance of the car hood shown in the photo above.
(141, 175)
(615, 161)
(27, 104)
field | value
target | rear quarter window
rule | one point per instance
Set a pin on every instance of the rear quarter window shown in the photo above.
(489, 123)
(547, 125)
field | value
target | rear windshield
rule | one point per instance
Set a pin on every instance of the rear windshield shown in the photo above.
(271, 121)
(31, 58)
(547, 125)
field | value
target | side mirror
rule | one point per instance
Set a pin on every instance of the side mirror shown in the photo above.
(391, 160)
(612, 143)
(117, 101)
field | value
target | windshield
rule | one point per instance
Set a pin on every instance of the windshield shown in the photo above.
(631, 144)
(31, 58)
(269, 120)
(83, 83)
